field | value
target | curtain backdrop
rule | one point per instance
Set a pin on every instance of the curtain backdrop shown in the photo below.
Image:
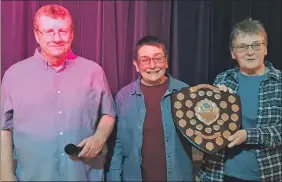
(196, 33)
(105, 32)
(200, 35)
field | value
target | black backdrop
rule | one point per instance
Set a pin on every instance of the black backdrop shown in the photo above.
(200, 34)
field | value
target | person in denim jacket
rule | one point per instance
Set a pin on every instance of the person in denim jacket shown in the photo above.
(148, 146)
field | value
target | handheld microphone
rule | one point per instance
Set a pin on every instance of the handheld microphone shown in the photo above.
(72, 149)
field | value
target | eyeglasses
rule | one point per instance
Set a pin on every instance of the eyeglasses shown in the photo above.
(144, 60)
(51, 33)
(244, 48)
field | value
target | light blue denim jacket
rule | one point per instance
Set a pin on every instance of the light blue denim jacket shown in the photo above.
(126, 161)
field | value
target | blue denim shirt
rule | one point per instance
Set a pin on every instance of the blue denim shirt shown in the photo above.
(126, 161)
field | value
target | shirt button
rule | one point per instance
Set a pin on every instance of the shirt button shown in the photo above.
(60, 112)
(57, 73)
(62, 154)
(59, 91)
(61, 133)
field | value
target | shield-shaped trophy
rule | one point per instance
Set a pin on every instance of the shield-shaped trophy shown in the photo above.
(206, 116)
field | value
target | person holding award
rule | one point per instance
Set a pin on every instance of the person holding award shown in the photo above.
(255, 150)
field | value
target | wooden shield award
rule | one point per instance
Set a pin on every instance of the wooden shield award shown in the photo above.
(206, 116)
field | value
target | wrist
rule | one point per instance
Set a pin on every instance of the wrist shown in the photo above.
(100, 135)
(8, 176)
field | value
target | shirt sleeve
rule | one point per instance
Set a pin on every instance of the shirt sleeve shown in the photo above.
(6, 105)
(107, 104)
(268, 136)
(116, 162)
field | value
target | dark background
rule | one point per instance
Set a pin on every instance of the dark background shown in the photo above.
(196, 34)
(200, 35)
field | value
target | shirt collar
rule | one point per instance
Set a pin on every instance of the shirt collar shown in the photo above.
(172, 86)
(69, 59)
(273, 73)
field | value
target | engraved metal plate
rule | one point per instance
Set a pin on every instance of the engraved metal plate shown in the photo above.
(206, 116)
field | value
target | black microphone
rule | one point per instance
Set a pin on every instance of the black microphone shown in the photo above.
(72, 149)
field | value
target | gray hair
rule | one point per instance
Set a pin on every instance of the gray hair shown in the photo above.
(247, 27)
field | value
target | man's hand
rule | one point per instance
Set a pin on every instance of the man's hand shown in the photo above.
(7, 162)
(91, 146)
(224, 88)
(9, 177)
(237, 138)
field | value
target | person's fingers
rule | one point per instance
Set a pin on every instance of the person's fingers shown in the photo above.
(233, 137)
(219, 86)
(224, 88)
(234, 142)
(230, 90)
(84, 152)
(82, 143)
